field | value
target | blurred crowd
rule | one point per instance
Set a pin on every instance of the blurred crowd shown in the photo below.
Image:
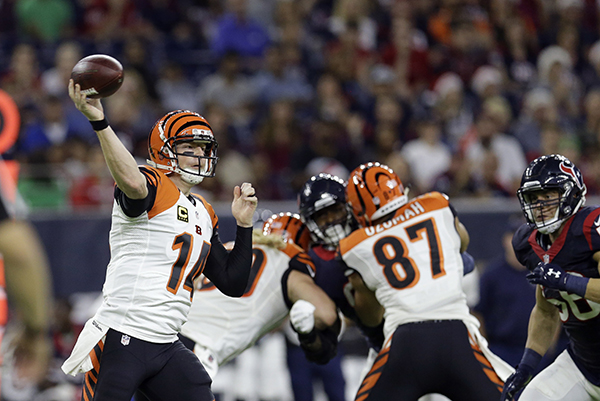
(454, 95)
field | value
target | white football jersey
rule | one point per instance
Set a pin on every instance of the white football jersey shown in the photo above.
(155, 258)
(412, 263)
(227, 326)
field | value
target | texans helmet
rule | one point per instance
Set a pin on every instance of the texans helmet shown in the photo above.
(290, 227)
(374, 191)
(551, 173)
(177, 127)
(320, 192)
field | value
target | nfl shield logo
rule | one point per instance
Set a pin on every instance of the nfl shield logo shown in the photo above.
(125, 339)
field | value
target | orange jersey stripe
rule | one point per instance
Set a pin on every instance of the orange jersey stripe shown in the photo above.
(166, 196)
(486, 365)
(209, 208)
(373, 376)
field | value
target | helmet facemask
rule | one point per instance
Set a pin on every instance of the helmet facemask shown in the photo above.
(207, 162)
(534, 209)
(331, 232)
(320, 194)
(170, 154)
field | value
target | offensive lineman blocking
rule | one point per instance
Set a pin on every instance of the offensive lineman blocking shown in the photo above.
(405, 264)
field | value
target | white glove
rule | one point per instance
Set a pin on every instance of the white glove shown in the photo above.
(302, 316)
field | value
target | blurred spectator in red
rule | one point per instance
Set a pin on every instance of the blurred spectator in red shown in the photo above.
(104, 21)
(427, 156)
(407, 51)
(95, 187)
(45, 20)
(278, 137)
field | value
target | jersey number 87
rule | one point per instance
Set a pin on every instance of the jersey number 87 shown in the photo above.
(391, 252)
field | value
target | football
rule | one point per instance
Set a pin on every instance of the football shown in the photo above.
(98, 75)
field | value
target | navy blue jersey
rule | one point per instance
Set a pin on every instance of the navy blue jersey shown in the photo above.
(331, 278)
(573, 250)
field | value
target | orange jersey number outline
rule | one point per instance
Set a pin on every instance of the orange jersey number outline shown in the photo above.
(184, 243)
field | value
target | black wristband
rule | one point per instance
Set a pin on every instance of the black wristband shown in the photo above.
(99, 125)
(307, 338)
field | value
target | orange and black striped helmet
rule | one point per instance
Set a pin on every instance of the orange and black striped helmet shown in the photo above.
(182, 126)
(290, 227)
(374, 191)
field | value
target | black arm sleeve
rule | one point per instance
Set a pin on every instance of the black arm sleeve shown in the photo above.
(229, 271)
(326, 351)
(135, 207)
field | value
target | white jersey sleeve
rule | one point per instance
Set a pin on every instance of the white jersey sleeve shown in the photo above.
(227, 326)
(412, 263)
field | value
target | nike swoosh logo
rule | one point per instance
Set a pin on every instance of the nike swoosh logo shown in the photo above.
(597, 222)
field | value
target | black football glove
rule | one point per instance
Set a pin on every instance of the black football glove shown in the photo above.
(522, 375)
(516, 382)
(553, 276)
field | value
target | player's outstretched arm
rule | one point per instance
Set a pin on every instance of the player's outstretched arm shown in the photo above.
(244, 204)
(119, 160)
(368, 309)
(301, 286)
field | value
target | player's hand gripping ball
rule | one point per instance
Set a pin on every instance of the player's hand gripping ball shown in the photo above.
(98, 75)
